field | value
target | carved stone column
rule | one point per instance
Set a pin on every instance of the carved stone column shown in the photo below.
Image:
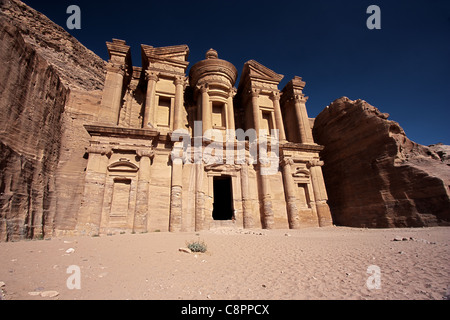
(90, 213)
(178, 110)
(268, 218)
(176, 200)
(116, 69)
(256, 111)
(289, 189)
(275, 97)
(303, 120)
(320, 193)
(230, 110)
(112, 93)
(199, 197)
(142, 196)
(149, 112)
(246, 201)
(206, 109)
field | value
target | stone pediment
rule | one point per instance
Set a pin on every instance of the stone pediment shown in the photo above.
(301, 173)
(123, 166)
(258, 71)
(176, 55)
(255, 75)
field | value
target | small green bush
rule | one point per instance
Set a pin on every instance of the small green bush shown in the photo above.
(197, 246)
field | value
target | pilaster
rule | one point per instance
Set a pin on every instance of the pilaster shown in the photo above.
(176, 208)
(90, 213)
(230, 110)
(255, 109)
(320, 193)
(179, 101)
(268, 217)
(290, 194)
(141, 210)
(303, 120)
(246, 201)
(149, 112)
(206, 108)
(116, 67)
(275, 97)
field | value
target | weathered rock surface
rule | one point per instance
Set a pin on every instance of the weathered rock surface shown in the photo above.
(42, 139)
(375, 175)
(81, 107)
(32, 100)
(77, 66)
(443, 152)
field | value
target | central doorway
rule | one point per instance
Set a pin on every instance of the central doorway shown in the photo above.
(223, 198)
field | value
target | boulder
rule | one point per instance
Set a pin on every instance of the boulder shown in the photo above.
(375, 176)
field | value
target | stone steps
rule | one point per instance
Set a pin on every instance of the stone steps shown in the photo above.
(218, 224)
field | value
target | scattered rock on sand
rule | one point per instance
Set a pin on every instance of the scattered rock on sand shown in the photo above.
(398, 238)
(44, 294)
(186, 250)
(49, 294)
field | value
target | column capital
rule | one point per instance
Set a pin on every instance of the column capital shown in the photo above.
(232, 92)
(287, 161)
(204, 88)
(151, 75)
(275, 96)
(132, 86)
(300, 98)
(145, 153)
(180, 80)
(115, 68)
(255, 93)
(100, 149)
(314, 163)
(177, 153)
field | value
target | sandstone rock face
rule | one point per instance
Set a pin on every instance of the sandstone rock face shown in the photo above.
(443, 151)
(43, 150)
(375, 175)
(81, 107)
(77, 66)
(32, 100)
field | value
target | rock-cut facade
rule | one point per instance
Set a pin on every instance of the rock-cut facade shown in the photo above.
(183, 152)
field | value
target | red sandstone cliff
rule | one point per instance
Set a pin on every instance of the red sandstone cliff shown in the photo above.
(32, 100)
(50, 85)
(77, 66)
(375, 175)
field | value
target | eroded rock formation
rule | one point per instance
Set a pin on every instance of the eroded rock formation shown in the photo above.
(77, 66)
(32, 100)
(50, 86)
(375, 175)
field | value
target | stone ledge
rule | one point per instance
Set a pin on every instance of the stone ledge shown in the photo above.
(100, 130)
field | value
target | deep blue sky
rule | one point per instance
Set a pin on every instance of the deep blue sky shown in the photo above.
(402, 69)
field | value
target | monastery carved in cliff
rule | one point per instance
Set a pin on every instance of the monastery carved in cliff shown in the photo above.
(138, 178)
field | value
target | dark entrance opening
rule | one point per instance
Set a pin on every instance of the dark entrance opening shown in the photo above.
(223, 198)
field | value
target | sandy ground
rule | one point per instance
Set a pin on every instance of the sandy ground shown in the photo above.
(316, 263)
